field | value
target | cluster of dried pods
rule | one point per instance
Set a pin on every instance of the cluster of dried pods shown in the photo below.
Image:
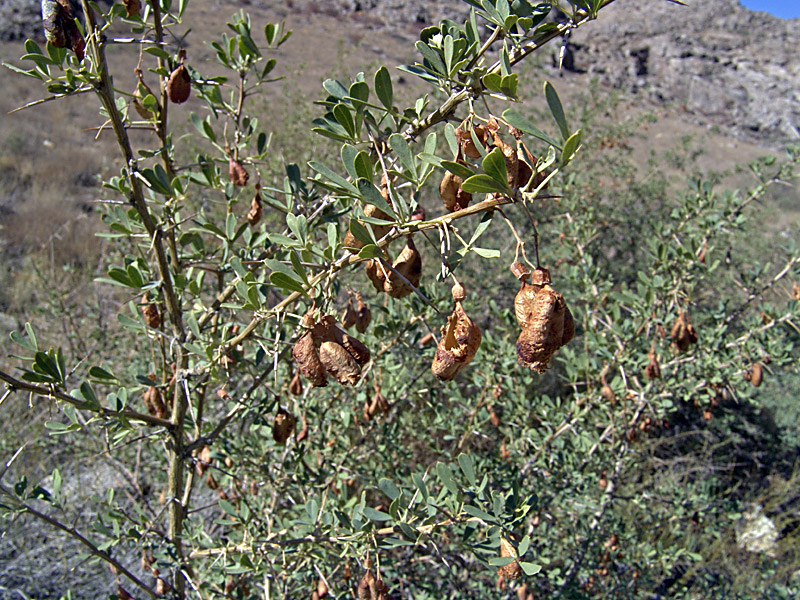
(519, 162)
(546, 321)
(460, 340)
(371, 587)
(179, 88)
(325, 349)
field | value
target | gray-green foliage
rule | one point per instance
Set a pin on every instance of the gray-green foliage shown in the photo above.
(621, 497)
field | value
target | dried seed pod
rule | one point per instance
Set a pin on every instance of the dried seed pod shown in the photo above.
(237, 173)
(418, 214)
(494, 417)
(322, 589)
(363, 314)
(460, 341)
(756, 374)
(408, 264)
(152, 317)
(370, 210)
(795, 291)
(683, 333)
(132, 8)
(520, 271)
(303, 433)
(376, 273)
(283, 426)
(122, 593)
(256, 210)
(203, 461)
(306, 354)
(60, 29)
(179, 85)
(211, 483)
(542, 313)
(652, 370)
(296, 385)
(350, 316)
(453, 197)
(512, 162)
(339, 363)
(466, 142)
(154, 403)
(331, 332)
(512, 570)
(608, 394)
(427, 340)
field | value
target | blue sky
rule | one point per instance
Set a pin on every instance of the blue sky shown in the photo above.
(786, 9)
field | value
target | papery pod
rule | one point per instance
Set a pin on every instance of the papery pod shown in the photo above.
(283, 426)
(756, 374)
(376, 273)
(512, 570)
(350, 316)
(296, 385)
(464, 138)
(60, 29)
(154, 403)
(132, 8)
(460, 341)
(256, 210)
(543, 314)
(142, 90)
(204, 460)
(608, 394)
(363, 314)
(512, 162)
(150, 313)
(237, 173)
(179, 85)
(354, 347)
(653, 369)
(795, 291)
(453, 197)
(683, 333)
(409, 264)
(339, 363)
(306, 354)
(372, 211)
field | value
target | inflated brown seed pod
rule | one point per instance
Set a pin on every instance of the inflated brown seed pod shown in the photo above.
(237, 173)
(652, 370)
(306, 354)
(512, 570)
(460, 341)
(350, 316)
(296, 385)
(418, 214)
(453, 197)
(256, 210)
(132, 8)
(427, 340)
(152, 317)
(608, 394)
(512, 162)
(363, 314)
(203, 461)
(154, 403)
(795, 291)
(683, 333)
(122, 593)
(408, 264)
(322, 589)
(179, 85)
(303, 433)
(339, 363)
(375, 273)
(520, 271)
(331, 332)
(464, 138)
(370, 210)
(756, 374)
(283, 426)
(60, 29)
(542, 314)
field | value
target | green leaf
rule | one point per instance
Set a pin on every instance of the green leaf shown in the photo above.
(513, 118)
(554, 103)
(101, 373)
(446, 475)
(370, 251)
(494, 164)
(349, 154)
(344, 117)
(450, 137)
(360, 232)
(530, 568)
(389, 488)
(420, 483)
(363, 166)
(372, 195)
(400, 146)
(376, 515)
(480, 514)
(335, 89)
(383, 87)
(467, 466)
(483, 184)
(457, 168)
(571, 147)
(283, 281)
(492, 81)
(337, 180)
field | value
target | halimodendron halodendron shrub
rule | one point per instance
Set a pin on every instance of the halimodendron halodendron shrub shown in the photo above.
(401, 485)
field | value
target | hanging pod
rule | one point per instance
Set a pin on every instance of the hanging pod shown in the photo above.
(546, 322)
(460, 341)
(306, 354)
(453, 197)
(325, 349)
(283, 426)
(179, 84)
(408, 264)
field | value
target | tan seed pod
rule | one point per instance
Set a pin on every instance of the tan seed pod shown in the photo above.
(408, 264)
(757, 374)
(322, 589)
(367, 589)
(363, 314)
(542, 314)
(204, 460)
(132, 8)
(331, 332)
(162, 587)
(460, 341)
(608, 394)
(453, 197)
(427, 340)
(350, 316)
(142, 90)
(494, 417)
(372, 211)
(237, 173)
(512, 570)
(152, 317)
(122, 593)
(653, 369)
(306, 354)
(211, 483)
(466, 142)
(296, 385)
(795, 291)
(303, 433)
(418, 214)
(154, 403)
(376, 273)
(283, 426)
(520, 271)
(339, 363)
(683, 333)
(512, 162)
(256, 210)
(179, 85)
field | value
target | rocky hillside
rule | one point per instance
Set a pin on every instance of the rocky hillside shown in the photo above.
(724, 64)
